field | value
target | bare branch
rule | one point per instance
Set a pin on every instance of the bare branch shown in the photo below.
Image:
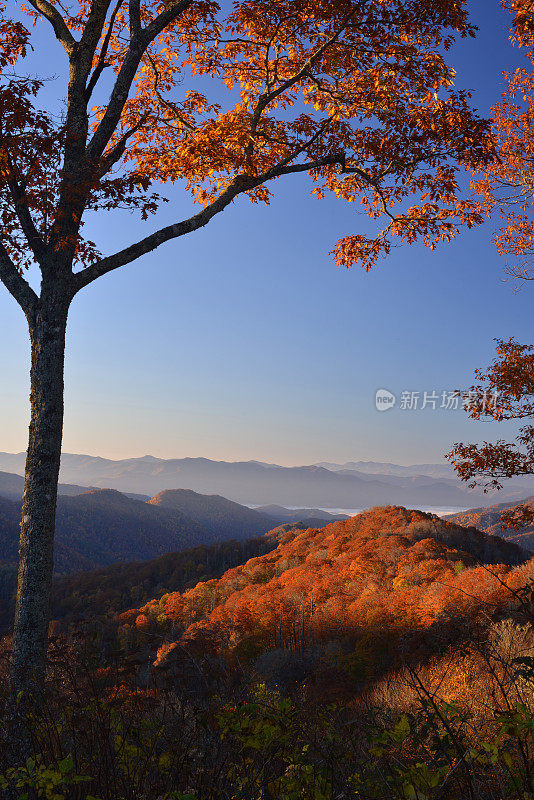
(15, 283)
(239, 184)
(117, 151)
(167, 103)
(102, 64)
(284, 169)
(57, 22)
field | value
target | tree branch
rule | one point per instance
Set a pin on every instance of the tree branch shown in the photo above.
(57, 22)
(240, 184)
(135, 18)
(110, 157)
(101, 64)
(15, 283)
(24, 216)
(123, 83)
(285, 169)
(264, 100)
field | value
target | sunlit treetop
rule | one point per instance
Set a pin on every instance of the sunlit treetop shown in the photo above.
(357, 93)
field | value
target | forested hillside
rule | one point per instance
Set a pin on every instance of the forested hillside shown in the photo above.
(381, 647)
(490, 520)
(226, 519)
(387, 570)
(88, 595)
(103, 527)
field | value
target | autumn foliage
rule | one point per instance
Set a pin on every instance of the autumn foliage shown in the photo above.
(507, 185)
(505, 392)
(388, 570)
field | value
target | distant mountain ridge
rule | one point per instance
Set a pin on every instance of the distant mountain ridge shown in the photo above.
(310, 517)
(386, 468)
(112, 589)
(489, 521)
(12, 485)
(255, 483)
(102, 527)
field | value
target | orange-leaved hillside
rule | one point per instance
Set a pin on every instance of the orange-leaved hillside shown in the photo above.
(387, 568)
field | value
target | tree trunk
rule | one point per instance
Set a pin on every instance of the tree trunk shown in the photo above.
(36, 552)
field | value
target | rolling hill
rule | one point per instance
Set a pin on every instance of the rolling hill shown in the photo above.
(12, 485)
(224, 518)
(385, 573)
(103, 527)
(489, 520)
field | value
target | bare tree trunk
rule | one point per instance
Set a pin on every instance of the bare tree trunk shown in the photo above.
(36, 554)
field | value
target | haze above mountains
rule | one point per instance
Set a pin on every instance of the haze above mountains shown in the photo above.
(355, 484)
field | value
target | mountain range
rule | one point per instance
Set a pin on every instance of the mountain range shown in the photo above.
(354, 485)
(113, 589)
(389, 570)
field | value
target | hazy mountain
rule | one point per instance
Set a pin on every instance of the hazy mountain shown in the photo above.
(103, 526)
(11, 486)
(259, 484)
(489, 521)
(385, 468)
(224, 518)
(441, 471)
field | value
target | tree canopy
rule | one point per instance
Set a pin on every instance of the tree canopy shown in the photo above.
(357, 94)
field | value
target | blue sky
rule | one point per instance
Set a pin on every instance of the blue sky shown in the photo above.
(245, 340)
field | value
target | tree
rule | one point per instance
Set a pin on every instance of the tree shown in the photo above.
(506, 392)
(355, 93)
(507, 186)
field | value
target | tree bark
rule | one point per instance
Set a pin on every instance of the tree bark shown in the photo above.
(36, 553)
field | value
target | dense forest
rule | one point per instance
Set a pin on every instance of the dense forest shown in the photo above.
(111, 590)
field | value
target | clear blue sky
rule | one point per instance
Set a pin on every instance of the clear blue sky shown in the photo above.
(245, 340)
